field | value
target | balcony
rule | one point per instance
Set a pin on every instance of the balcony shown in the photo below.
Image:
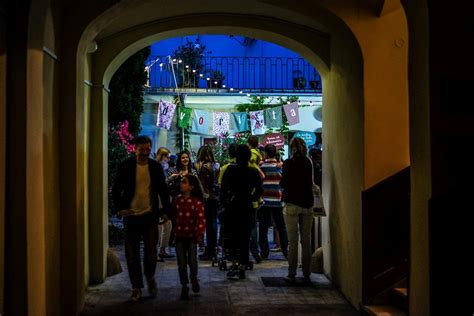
(234, 74)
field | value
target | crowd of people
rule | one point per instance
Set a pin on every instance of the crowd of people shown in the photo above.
(166, 201)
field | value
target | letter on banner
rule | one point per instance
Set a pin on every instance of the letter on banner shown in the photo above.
(239, 122)
(292, 113)
(184, 116)
(256, 123)
(221, 123)
(273, 117)
(202, 122)
(165, 114)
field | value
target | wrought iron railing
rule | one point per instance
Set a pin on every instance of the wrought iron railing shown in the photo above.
(237, 73)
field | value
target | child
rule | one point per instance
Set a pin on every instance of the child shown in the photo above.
(190, 221)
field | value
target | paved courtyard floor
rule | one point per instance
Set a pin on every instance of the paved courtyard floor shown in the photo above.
(219, 296)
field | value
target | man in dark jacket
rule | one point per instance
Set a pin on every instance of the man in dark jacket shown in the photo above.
(139, 185)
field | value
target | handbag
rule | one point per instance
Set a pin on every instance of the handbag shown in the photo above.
(318, 205)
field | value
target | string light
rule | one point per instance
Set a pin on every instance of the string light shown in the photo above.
(248, 94)
(201, 75)
(231, 89)
(208, 78)
(180, 61)
(194, 70)
(223, 86)
(241, 92)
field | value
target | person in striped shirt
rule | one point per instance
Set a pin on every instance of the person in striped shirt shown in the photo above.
(272, 205)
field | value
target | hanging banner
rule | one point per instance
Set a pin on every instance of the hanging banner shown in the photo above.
(273, 118)
(165, 114)
(239, 122)
(308, 137)
(257, 123)
(202, 121)
(292, 113)
(184, 116)
(276, 139)
(221, 123)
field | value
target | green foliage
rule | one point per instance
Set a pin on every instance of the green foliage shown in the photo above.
(191, 53)
(125, 109)
(126, 92)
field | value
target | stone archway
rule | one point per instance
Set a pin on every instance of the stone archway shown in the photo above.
(342, 105)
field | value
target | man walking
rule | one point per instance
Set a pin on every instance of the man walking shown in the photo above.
(138, 188)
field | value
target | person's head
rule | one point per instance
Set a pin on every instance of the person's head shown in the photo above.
(172, 160)
(315, 153)
(243, 155)
(191, 184)
(183, 161)
(253, 141)
(205, 154)
(270, 151)
(163, 154)
(233, 150)
(298, 147)
(142, 148)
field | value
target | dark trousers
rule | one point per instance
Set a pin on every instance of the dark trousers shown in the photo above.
(210, 209)
(186, 254)
(238, 229)
(265, 215)
(135, 228)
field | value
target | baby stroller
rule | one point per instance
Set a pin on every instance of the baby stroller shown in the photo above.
(222, 253)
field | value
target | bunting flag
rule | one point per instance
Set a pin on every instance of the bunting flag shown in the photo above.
(202, 122)
(240, 122)
(257, 123)
(292, 113)
(184, 116)
(221, 122)
(165, 114)
(273, 118)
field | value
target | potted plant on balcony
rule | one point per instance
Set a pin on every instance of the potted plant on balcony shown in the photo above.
(299, 82)
(191, 55)
(216, 79)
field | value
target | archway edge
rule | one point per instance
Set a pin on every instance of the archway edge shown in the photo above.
(115, 49)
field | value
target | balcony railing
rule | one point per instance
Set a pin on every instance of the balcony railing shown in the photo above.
(236, 73)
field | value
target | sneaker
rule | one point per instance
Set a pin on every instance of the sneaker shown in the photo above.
(233, 271)
(152, 290)
(257, 257)
(195, 285)
(164, 255)
(136, 295)
(184, 293)
(290, 279)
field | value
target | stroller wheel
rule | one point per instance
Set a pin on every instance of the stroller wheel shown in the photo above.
(223, 265)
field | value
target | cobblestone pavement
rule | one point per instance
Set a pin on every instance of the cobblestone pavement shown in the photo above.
(219, 296)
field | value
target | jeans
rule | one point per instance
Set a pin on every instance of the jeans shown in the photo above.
(135, 228)
(253, 245)
(186, 254)
(264, 220)
(164, 233)
(298, 221)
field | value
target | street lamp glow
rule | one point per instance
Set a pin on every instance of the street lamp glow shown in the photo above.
(180, 61)
(241, 92)
(187, 66)
(194, 70)
(231, 89)
(248, 94)
(174, 60)
(223, 86)
(215, 82)
(208, 78)
(201, 75)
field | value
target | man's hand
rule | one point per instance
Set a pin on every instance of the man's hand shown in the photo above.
(125, 213)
